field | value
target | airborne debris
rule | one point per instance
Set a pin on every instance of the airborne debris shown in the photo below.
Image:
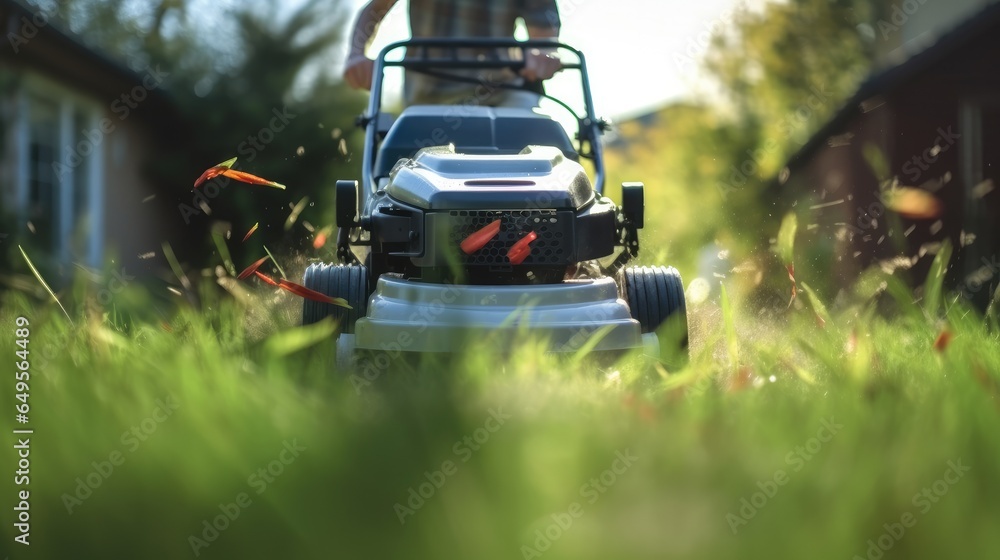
(252, 268)
(249, 233)
(302, 291)
(225, 169)
(983, 189)
(942, 341)
(321, 237)
(913, 203)
(296, 210)
(826, 204)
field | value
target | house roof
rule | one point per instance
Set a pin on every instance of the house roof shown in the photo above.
(897, 76)
(68, 56)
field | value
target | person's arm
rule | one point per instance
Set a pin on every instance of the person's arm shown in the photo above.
(541, 17)
(359, 68)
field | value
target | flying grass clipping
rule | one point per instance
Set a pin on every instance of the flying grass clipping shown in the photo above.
(225, 169)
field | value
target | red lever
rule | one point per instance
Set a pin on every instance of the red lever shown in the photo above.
(521, 249)
(478, 239)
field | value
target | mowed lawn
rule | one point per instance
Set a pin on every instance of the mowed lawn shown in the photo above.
(224, 432)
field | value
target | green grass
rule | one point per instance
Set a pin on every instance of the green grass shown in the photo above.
(745, 412)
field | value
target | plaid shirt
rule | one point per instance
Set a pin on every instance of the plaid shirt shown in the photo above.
(470, 18)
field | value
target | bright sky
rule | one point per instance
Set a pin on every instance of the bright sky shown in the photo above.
(640, 54)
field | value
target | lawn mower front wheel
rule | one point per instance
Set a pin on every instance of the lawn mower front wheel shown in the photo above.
(349, 282)
(655, 296)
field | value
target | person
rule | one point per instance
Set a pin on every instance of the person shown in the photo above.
(462, 19)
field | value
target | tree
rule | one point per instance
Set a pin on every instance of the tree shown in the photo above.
(783, 71)
(786, 70)
(252, 81)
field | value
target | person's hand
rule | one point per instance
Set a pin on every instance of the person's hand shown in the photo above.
(358, 71)
(540, 65)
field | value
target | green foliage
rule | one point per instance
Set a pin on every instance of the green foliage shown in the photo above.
(729, 324)
(876, 160)
(934, 285)
(801, 56)
(676, 156)
(785, 247)
(783, 71)
(252, 81)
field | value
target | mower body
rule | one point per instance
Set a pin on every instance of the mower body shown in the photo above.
(477, 221)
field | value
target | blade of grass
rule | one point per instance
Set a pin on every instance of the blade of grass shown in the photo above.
(729, 323)
(991, 309)
(296, 210)
(785, 246)
(275, 261)
(595, 338)
(299, 338)
(817, 304)
(42, 281)
(876, 160)
(933, 286)
(220, 245)
(175, 266)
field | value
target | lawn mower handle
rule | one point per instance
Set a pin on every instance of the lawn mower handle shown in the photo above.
(590, 127)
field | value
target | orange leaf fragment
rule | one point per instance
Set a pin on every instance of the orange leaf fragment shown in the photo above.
(251, 179)
(478, 239)
(252, 268)
(305, 292)
(267, 279)
(741, 379)
(214, 171)
(984, 379)
(913, 203)
(249, 233)
(942, 340)
(321, 237)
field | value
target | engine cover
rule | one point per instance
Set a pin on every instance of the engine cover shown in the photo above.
(540, 177)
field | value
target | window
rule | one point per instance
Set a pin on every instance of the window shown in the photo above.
(43, 193)
(57, 187)
(80, 219)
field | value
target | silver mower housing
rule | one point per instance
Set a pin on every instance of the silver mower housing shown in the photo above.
(413, 316)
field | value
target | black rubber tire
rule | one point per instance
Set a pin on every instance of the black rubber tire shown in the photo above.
(349, 282)
(655, 296)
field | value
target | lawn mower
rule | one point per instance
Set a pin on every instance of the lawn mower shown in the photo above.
(475, 221)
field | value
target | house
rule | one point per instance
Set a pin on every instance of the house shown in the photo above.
(929, 119)
(77, 130)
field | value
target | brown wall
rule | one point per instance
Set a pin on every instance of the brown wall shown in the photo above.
(904, 122)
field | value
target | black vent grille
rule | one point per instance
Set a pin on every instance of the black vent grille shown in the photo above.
(553, 228)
